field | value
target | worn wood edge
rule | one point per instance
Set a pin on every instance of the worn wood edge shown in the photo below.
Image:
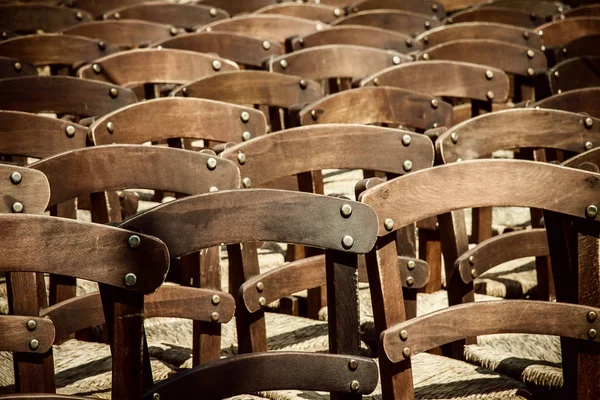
(214, 26)
(34, 202)
(349, 17)
(20, 337)
(567, 21)
(590, 156)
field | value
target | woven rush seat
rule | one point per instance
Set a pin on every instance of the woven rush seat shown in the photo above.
(512, 280)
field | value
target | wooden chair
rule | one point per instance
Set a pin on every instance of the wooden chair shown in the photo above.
(395, 20)
(99, 7)
(512, 181)
(316, 12)
(29, 18)
(126, 34)
(429, 7)
(579, 100)
(13, 68)
(184, 16)
(248, 51)
(574, 73)
(480, 30)
(358, 35)
(506, 16)
(590, 10)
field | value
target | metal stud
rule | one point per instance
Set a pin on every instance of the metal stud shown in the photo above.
(31, 325)
(301, 42)
(530, 71)
(337, 12)
(436, 125)
(425, 56)
(134, 241)
(525, 35)
(260, 287)
(434, 7)
(215, 300)
(173, 31)
(303, 84)
(352, 365)
(454, 137)
(346, 210)
(406, 140)
(110, 127)
(213, 189)
(592, 334)
(211, 163)
(246, 136)
(435, 103)
(559, 91)
(409, 42)
(410, 281)
(559, 9)
(472, 260)
(283, 63)
(426, 39)
(241, 157)
(319, 27)
(591, 211)
(388, 224)
(556, 74)
(213, 12)
(17, 207)
(262, 301)
(130, 279)
(530, 53)
(16, 178)
(96, 68)
(214, 317)
(473, 273)
(396, 60)
(404, 335)
(216, 64)
(355, 385)
(591, 316)
(588, 122)
(245, 116)
(407, 166)
(347, 242)
(266, 45)
(489, 75)
(411, 265)
(117, 15)
(101, 45)
(543, 48)
(79, 15)
(113, 93)
(376, 81)
(247, 182)
(406, 352)
(314, 115)
(184, 91)
(155, 396)
(490, 95)
(34, 344)
(588, 145)
(459, 160)
(449, 20)
(70, 131)
(18, 66)
(427, 24)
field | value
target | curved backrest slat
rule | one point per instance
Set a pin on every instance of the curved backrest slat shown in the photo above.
(481, 318)
(517, 183)
(124, 34)
(455, 5)
(394, 20)
(15, 337)
(563, 31)
(370, 105)
(480, 30)
(581, 100)
(136, 67)
(590, 156)
(575, 73)
(498, 15)
(445, 78)
(542, 9)
(79, 97)
(13, 68)
(335, 61)
(203, 221)
(98, 7)
(590, 10)
(269, 26)
(510, 58)
(33, 17)
(181, 15)
(254, 87)
(581, 47)
(243, 49)
(235, 7)
(308, 11)
(21, 185)
(32, 243)
(55, 49)
(341, 146)
(427, 7)
(32, 135)
(358, 35)
(518, 128)
(102, 168)
(178, 117)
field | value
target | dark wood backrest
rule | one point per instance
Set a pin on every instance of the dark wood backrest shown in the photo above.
(99, 7)
(23, 190)
(13, 68)
(542, 9)
(480, 30)
(29, 18)
(518, 128)
(32, 135)
(428, 7)
(178, 117)
(235, 7)
(395, 20)
(498, 15)
(445, 78)
(247, 50)
(590, 10)
(254, 87)
(358, 35)
(580, 47)
(55, 49)
(370, 105)
(125, 34)
(316, 12)
(335, 61)
(81, 97)
(581, 100)
(590, 156)
(455, 5)
(575, 73)
(563, 31)
(185, 16)
(143, 66)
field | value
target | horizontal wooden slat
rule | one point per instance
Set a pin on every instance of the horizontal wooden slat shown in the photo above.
(25, 186)
(16, 336)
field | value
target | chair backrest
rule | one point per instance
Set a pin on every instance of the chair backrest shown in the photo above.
(590, 10)
(23, 190)
(99, 7)
(395, 20)
(29, 18)
(580, 47)
(579, 100)
(427, 7)
(246, 50)
(80, 97)
(235, 7)
(544, 9)
(498, 15)
(12, 68)
(563, 31)
(575, 73)
(480, 30)
(455, 5)
(315, 12)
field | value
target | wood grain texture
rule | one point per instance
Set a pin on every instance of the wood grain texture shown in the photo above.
(368, 105)
(581, 100)
(108, 255)
(444, 78)
(113, 167)
(178, 117)
(254, 87)
(500, 249)
(510, 316)
(242, 49)
(268, 26)
(514, 58)
(79, 97)
(124, 34)
(337, 146)
(55, 49)
(498, 15)
(235, 7)
(316, 12)
(13, 68)
(267, 215)
(181, 15)
(575, 73)
(563, 31)
(517, 128)
(590, 10)
(395, 20)
(480, 30)
(32, 17)
(497, 182)
(427, 7)
(15, 336)
(539, 8)
(358, 35)
(33, 191)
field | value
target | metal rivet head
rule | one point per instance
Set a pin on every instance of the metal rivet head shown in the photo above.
(101, 46)
(214, 317)
(435, 103)
(346, 210)
(407, 166)
(314, 115)
(459, 160)
(185, 92)
(427, 24)
(592, 334)
(245, 116)
(18, 66)
(173, 31)
(409, 42)
(559, 9)
(591, 316)
(436, 125)
(556, 74)
(396, 60)
(410, 281)
(70, 130)
(319, 27)
(246, 136)
(530, 71)
(283, 63)
(134, 241)
(216, 64)
(337, 12)
(266, 45)
(79, 15)
(473, 273)
(156, 396)
(215, 299)
(530, 53)
(404, 335)
(543, 48)
(213, 189)
(426, 39)
(454, 137)
(559, 91)
(406, 140)
(406, 352)
(303, 84)
(588, 122)
(260, 287)
(591, 211)
(425, 56)
(241, 157)
(130, 279)
(388, 224)
(472, 260)
(113, 93)
(211, 163)
(17, 207)
(16, 178)
(354, 386)
(525, 35)
(347, 242)
(411, 265)
(110, 127)
(96, 68)
(434, 7)
(588, 145)
(213, 12)
(262, 301)
(31, 325)
(301, 42)
(247, 182)
(490, 95)
(352, 365)
(117, 15)
(489, 75)
(34, 344)
(376, 81)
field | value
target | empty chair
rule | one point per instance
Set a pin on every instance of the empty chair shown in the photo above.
(396, 20)
(30, 18)
(480, 30)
